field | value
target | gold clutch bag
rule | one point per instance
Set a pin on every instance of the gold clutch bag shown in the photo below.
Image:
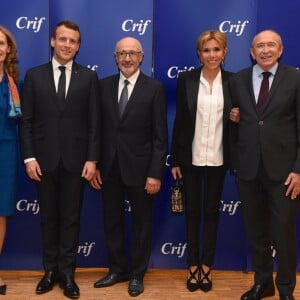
(177, 197)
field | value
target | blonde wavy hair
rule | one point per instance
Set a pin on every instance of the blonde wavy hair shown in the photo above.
(220, 37)
(11, 60)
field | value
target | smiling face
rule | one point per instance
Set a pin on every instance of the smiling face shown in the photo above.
(65, 43)
(4, 48)
(266, 49)
(129, 55)
(211, 54)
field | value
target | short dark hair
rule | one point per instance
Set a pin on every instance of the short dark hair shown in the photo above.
(68, 24)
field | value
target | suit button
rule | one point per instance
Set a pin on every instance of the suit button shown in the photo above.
(261, 123)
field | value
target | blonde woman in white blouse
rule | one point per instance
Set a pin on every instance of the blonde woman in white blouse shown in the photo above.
(200, 152)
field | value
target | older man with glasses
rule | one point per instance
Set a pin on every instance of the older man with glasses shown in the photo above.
(133, 153)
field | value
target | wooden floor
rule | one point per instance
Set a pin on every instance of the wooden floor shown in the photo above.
(159, 285)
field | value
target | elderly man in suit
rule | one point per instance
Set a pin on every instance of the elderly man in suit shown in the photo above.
(267, 162)
(133, 153)
(60, 145)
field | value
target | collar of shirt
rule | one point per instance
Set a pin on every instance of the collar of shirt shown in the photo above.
(257, 70)
(257, 77)
(56, 72)
(56, 64)
(217, 79)
(132, 80)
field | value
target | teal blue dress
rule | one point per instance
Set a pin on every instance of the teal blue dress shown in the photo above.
(8, 154)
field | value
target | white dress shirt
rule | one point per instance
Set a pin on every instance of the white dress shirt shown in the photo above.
(57, 72)
(207, 147)
(132, 80)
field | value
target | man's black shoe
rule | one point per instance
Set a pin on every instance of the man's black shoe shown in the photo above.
(71, 289)
(135, 287)
(110, 279)
(46, 283)
(259, 291)
(287, 297)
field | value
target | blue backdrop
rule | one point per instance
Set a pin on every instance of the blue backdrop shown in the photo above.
(168, 31)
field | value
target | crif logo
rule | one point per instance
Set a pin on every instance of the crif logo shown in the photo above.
(229, 208)
(131, 25)
(173, 249)
(174, 71)
(26, 23)
(86, 248)
(27, 206)
(238, 28)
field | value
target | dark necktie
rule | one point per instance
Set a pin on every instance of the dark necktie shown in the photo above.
(263, 93)
(61, 88)
(123, 98)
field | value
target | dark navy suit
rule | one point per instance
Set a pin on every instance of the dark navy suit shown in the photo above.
(61, 138)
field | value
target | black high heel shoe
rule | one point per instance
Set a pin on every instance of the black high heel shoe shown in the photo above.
(3, 289)
(193, 275)
(205, 283)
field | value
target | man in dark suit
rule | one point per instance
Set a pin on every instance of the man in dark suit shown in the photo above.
(267, 162)
(60, 146)
(133, 153)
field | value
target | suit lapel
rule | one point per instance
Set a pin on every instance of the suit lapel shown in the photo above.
(114, 94)
(75, 77)
(51, 83)
(192, 93)
(276, 82)
(249, 81)
(226, 97)
(137, 90)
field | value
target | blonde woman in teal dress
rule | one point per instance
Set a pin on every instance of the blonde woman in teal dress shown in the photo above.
(10, 112)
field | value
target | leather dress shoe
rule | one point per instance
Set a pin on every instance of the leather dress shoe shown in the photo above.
(3, 289)
(259, 291)
(46, 283)
(135, 287)
(287, 297)
(110, 279)
(71, 289)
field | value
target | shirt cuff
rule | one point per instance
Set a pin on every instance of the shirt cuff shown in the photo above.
(29, 159)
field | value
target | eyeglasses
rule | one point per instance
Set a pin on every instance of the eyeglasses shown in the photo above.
(131, 54)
